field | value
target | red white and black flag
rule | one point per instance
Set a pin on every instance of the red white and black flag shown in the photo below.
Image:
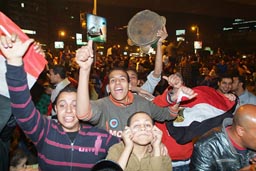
(34, 63)
(206, 111)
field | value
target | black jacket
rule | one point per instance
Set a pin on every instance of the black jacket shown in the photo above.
(214, 151)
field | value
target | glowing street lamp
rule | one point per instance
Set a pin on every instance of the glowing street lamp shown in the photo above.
(196, 28)
(62, 33)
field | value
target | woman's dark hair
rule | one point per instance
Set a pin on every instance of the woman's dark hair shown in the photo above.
(130, 118)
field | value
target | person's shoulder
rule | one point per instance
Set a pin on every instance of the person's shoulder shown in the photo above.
(212, 136)
(102, 100)
(251, 94)
(140, 98)
(141, 101)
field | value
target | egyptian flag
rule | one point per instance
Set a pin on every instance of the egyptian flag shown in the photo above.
(200, 114)
(34, 63)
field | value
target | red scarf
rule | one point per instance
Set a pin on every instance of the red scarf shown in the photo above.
(129, 100)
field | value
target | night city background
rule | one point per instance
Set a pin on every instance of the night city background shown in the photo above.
(225, 24)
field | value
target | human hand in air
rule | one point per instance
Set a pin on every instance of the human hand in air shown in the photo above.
(185, 93)
(84, 56)
(162, 34)
(174, 80)
(14, 49)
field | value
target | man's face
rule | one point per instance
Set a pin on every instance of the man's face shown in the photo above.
(141, 127)
(235, 84)
(119, 85)
(66, 111)
(225, 85)
(52, 77)
(249, 136)
(133, 78)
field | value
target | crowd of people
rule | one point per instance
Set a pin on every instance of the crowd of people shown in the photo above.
(182, 112)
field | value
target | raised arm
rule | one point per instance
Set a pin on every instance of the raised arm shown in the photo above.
(175, 94)
(158, 62)
(179, 92)
(84, 58)
(155, 76)
(22, 106)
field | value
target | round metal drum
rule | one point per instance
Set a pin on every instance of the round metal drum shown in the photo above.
(143, 26)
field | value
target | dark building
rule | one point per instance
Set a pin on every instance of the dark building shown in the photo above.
(48, 17)
(45, 19)
(240, 34)
(29, 15)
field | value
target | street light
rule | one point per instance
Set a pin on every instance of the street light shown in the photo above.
(62, 33)
(197, 44)
(196, 28)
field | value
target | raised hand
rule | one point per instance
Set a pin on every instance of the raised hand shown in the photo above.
(14, 49)
(174, 80)
(185, 93)
(84, 56)
(38, 49)
(162, 34)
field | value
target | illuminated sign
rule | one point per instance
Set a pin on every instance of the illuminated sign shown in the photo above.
(96, 28)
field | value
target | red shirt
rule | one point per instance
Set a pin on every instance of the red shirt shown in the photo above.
(175, 150)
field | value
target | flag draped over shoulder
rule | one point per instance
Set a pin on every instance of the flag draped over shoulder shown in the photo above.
(34, 63)
(206, 111)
